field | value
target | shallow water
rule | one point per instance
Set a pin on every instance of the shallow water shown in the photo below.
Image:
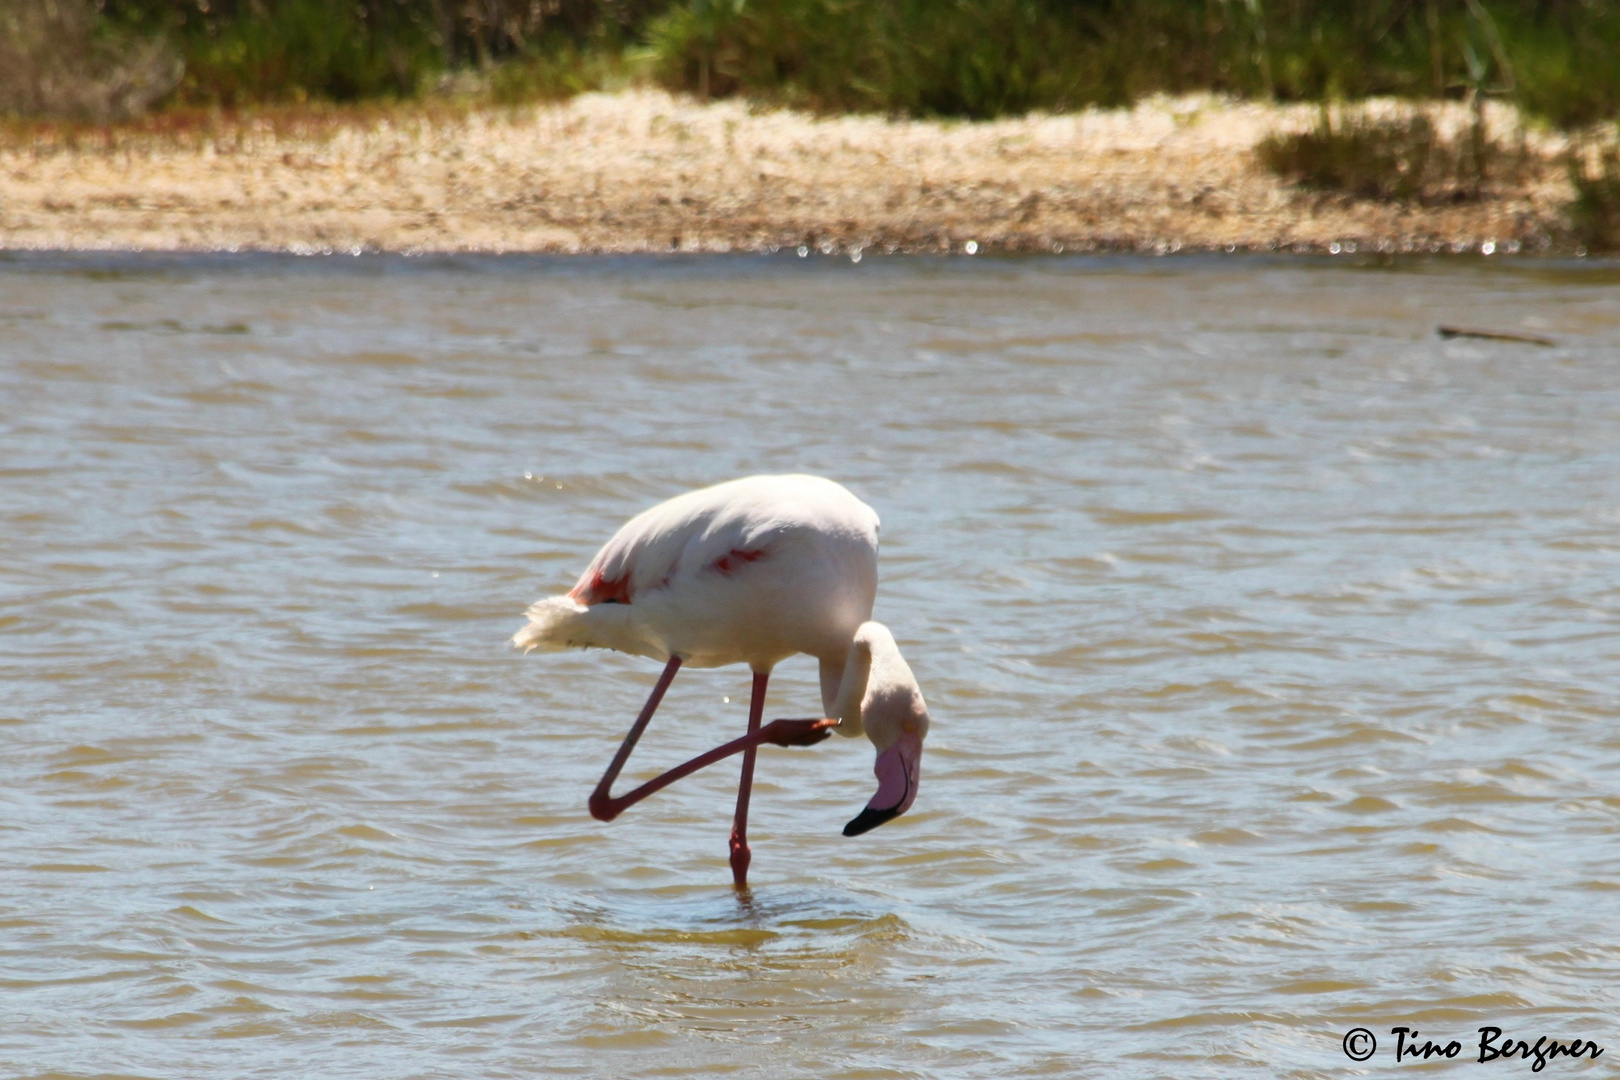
(1270, 643)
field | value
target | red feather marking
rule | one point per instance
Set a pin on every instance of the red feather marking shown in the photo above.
(734, 560)
(599, 590)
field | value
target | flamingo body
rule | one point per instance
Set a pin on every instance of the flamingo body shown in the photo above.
(750, 571)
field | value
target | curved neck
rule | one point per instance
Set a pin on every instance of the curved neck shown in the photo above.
(846, 706)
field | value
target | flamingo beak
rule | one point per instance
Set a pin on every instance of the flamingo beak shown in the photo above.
(898, 769)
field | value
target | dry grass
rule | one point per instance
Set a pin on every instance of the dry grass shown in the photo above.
(226, 130)
(644, 171)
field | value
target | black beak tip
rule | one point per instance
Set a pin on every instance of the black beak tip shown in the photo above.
(869, 819)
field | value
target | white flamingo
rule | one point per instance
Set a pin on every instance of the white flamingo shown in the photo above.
(751, 571)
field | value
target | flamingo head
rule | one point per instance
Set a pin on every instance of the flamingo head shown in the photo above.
(898, 769)
(895, 718)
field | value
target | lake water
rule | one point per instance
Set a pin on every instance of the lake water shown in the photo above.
(1270, 640)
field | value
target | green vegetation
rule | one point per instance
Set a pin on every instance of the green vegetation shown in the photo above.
(557, 70)
(240, 52)
(1376, 159)
(919, 57)
(1393, 159)
(1568, 63)
(60, 59)
(970, 58)
(1595, 213)
(982, 58)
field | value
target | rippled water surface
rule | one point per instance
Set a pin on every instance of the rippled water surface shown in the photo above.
(1270, 642)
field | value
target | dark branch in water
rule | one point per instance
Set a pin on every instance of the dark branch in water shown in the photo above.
(1496, 335)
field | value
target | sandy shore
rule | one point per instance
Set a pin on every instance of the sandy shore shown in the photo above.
(642, 171)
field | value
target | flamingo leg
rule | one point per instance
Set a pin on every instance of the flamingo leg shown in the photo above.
(781, 732)
(740, 853)
(605, 806)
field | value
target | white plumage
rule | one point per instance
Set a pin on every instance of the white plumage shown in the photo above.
(751, 571)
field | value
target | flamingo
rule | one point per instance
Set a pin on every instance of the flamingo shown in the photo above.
(751, 571)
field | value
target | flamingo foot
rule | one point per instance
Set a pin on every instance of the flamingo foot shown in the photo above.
(741, 856)
(786, 732)
(603, 806)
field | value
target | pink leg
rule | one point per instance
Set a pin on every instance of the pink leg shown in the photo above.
(740, 854)
(604, 807)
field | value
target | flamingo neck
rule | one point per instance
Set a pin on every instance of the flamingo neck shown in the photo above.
(852, 682)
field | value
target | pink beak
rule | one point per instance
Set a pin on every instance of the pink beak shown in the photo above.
(898, 769)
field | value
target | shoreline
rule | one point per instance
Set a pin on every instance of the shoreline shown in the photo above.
(641, 171)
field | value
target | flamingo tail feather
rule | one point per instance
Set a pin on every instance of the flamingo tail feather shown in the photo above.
(561, 622)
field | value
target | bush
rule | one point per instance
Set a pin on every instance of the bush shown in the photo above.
(56, 58)
(556, 71)
(1568, 67)
(1389, 158)
(985, 57)
(290, 50)
(973, 58)
(240, 52)
(1595, 214)
(1376, 159)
